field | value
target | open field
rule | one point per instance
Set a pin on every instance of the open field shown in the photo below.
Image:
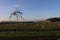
(30, 29)
(29, 33)
(43, 25)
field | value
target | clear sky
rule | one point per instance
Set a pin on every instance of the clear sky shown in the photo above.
(32, 9)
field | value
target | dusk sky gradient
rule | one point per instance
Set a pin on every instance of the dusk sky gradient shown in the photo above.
(32, 9)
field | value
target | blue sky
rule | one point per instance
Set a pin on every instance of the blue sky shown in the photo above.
(32, 9)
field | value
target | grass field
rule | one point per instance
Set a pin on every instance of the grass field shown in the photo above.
(43, 25)
(29, 33)
(30, 29)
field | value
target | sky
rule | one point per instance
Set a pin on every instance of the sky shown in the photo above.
(31, 9)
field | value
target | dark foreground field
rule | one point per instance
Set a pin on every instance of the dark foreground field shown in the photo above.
(30, 38)
(30, 31)
(28, 34)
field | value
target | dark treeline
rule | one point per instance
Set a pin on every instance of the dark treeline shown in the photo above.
(55, 19)
(2, 23)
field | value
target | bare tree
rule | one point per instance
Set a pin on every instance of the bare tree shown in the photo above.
(16, 13)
